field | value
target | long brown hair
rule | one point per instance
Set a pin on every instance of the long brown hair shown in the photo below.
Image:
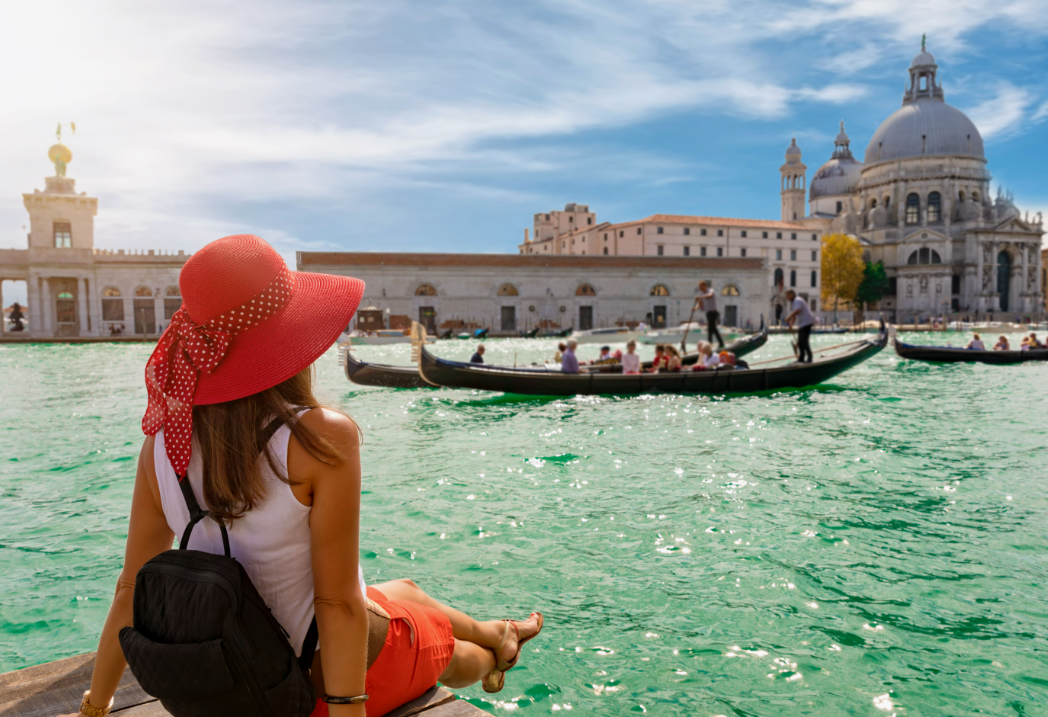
(231, 436)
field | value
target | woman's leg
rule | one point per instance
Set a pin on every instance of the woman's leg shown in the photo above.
(486, 634)
(470, 663)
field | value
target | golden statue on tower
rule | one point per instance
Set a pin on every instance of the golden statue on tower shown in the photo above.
(59, 153)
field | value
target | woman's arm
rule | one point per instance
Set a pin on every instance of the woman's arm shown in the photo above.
(148, 535)
(334, 526)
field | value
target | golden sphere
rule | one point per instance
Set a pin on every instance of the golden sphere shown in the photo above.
(60, 151)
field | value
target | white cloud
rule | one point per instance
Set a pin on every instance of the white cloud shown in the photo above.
(1003, 113)
(1041, 112)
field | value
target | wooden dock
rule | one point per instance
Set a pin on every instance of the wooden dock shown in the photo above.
(56, 688)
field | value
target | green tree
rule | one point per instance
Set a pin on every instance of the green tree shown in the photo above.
(842, 269)
(874, 286)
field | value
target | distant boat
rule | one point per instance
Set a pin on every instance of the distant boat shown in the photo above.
(952, 354)
(376, 338)
(608, 335)
(696, 332)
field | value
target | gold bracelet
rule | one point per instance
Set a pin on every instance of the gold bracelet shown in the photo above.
(86, 708)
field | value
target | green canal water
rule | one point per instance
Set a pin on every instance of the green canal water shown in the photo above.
(874, 546)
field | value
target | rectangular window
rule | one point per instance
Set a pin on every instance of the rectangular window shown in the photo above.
(840, 206)
(658, 230)
(720, 251)
(621, 234)
(63, 235)
(743, 233)
(764, 235)
(720, 232)
(793, 255)
(702, 251)
(658, 250)
(814, 279)
(638, 230)
(778, 254)
(778, 235)
(589, 220)
(687, 251)
(814, 256)
(702, 232)
(112, 309)
(742, 252)
(815, 237)
(793, 235)
(687, 231)
(605, 236)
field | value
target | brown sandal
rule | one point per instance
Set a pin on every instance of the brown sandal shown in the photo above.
(495, 680)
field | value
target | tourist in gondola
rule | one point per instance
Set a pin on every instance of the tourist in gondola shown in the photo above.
(707, 358)
(568, 362)
(561, 348)
(707, 302)
(976, 343)
(630, 359)
(802, 316)
(1025, 344)
(1002, 344)
(290, 517)
(1034, 343)
(660, 360)
(605, 356)
(478, 356)
(673, 360)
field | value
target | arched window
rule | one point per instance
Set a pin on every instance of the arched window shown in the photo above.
(778, 278)
(873, 203)
(934, 207)
(508, 290)
(172, 301)
(924, 256)
(425, 290)
(143, 292)
(793, 277)
(112, 304)
(961, 195)
(975, 196)
(585, 290)
(659, 290)
(110, 292)
(730, 290)
(913, 209)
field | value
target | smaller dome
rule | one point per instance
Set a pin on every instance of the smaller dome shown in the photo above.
(839, 176)
(793, 152)
(922, 59)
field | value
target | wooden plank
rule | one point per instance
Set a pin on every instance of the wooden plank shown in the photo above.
(57, 688)
(431, 701)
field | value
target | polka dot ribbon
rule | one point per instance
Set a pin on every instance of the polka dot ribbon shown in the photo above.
(186, 350)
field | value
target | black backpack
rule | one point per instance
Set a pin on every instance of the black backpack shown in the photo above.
(205, 643)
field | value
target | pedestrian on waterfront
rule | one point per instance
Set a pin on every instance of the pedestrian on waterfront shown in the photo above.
(707, 301)
(801, 315)
(673, 362)
(478, 355)
(561, 348)
(630, 359)
(568, 362)
(976, 343)
(659, 362)
(280, 495)
(1002, 344)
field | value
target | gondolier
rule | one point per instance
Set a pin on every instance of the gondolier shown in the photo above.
(707, 301)
(801, 315)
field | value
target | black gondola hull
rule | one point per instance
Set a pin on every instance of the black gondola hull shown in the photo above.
(947, 354)
(372, 374)
(540, 382)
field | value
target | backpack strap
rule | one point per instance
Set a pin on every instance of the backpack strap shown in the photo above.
(309, 646)
(196, 514)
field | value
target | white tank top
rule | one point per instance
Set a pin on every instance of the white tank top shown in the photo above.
(271, 541)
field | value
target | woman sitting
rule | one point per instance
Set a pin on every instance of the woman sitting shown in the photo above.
(660, 360)
(1025, 345)
(673, 361)
(286, 492)
(976, 343)
(1002, 344)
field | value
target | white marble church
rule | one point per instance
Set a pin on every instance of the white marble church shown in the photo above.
(920, 202)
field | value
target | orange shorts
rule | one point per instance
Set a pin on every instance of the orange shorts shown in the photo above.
(418, 649)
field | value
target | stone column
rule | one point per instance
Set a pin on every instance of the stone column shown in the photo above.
(81, 305)
(93, 315)
(46, 313)
(32, 297)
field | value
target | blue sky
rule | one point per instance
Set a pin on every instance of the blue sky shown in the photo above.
(443, 126)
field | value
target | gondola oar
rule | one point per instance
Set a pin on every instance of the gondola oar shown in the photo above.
(685, 336)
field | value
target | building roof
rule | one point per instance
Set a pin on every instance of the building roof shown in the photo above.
(520, 261)
(723, 221)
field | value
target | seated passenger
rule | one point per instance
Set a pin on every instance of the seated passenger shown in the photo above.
(976, 343)
(707, 359)
(568, 362)
(605, 356)
(561, 348)
(1034, 343)
(630, 359)
(673, 362)
(659, 362)
(478, 357)
(1002, 344)
(1025, 345)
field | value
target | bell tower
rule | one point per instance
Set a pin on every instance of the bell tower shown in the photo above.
(793, 178)
(59, 218)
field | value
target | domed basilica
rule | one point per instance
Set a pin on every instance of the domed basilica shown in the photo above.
(920, 203)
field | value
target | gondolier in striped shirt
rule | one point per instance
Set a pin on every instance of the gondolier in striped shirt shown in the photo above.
(802, 316)
(707, 301)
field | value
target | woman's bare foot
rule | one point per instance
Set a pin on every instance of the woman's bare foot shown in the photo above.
(526, 629)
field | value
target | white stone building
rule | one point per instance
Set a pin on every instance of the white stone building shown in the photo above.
(509, 293)
(920, 203)
(74, 289)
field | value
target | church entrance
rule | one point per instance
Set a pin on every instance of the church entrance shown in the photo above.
(509, 318)
(1004, 276)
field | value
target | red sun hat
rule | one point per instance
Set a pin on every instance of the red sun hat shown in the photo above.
(247, 323)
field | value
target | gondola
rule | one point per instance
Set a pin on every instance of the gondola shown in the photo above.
(376, 374)
(530, 334)
(950, 354)
(543, 382)
(740, 347)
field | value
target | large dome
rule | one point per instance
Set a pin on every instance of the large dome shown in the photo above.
(927, 126)
(924, 124)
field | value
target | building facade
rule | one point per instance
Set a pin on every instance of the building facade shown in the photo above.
(920, 202)
(509, 293)
(74, 289)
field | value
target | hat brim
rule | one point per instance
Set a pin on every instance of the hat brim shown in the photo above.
(320, 309)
